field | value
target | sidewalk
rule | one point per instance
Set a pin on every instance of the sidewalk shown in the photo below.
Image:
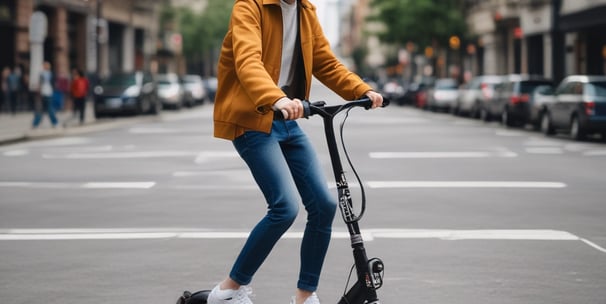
(19, 127)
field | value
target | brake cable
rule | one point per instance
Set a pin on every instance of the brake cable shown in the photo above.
(362, 192)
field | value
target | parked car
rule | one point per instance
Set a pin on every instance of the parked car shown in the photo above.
(211, 87)
(194, 90)
(511, 100)
(472, 95)
(540, 98)
(170, 91)
(579, 107)
(443, 94)
(394, 91)
(134, 92)
(410, 93)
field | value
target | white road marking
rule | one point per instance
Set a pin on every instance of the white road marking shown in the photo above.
(89, 185)
(469, 154)
(463, 184)
(119, 185)
(595, 153)
(40, 185)
(594, 245)
(18, 152)
(122, 155)
(544, 150)
(244, 182)
(367, 234)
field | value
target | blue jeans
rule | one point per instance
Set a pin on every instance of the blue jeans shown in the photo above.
(285, 167)
(47, 105)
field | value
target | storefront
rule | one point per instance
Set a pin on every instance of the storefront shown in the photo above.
(585, 32)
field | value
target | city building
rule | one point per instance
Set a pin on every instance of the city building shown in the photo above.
(128, 30)
(553, 38)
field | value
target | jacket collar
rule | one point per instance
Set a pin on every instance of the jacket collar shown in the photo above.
(304, 3)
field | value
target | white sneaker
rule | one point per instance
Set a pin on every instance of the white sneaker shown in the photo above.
(230, 296)
(313, 299)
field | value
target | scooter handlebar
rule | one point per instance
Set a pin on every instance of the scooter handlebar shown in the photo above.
(320, 107)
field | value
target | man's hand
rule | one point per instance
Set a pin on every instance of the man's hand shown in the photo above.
(376, 98)
(291, 108)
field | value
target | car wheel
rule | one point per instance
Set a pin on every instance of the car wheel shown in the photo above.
(506, 118)
(143, 106)
(156, 106)
(576, 130)
(546, 124)
(475, 111)
(484, 115)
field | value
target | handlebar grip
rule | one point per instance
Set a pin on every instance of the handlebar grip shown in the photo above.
(306, 111)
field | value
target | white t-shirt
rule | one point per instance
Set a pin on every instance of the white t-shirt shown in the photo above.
(289, 38)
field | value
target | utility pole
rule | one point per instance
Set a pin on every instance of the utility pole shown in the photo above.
(557, 43)
(98, 40)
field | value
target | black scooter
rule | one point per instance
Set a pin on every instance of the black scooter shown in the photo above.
(369, 271)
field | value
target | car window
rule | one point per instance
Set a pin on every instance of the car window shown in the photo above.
(568, 88)
(120, 80)
(596, 88)
(529, 86)
(544, 90)
(446, 85)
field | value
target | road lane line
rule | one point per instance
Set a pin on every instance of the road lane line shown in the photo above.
(433, 155)
(464, 184)
(594, 245)
(544, 150)
(88, 185)
(66, 234)
(121, 155)
(119, 185)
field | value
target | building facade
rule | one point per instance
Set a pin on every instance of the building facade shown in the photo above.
(126, 40)
(553, 38)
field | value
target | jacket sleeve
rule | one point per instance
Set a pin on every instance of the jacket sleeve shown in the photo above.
(246, 23)
(330, 71)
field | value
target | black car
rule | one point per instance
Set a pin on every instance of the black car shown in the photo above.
(579, 107)
(512, 100)
(121, 93)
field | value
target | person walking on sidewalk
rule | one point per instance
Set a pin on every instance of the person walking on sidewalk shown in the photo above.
(14, 89)
(78, 92)
(46, 96)
(269, 55)
(4, 90)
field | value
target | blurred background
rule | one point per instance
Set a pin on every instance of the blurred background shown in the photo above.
(403, 44)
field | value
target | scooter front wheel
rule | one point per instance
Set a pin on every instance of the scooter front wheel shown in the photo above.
(198, 297)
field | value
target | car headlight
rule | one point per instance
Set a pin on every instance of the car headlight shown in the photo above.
(132, 91)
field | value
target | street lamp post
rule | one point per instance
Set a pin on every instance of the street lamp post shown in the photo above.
(98, 39)
(557, 42)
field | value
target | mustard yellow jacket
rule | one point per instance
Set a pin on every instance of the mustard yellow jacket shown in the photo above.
(249, 66)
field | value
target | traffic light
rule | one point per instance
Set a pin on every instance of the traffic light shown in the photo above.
(454, 42)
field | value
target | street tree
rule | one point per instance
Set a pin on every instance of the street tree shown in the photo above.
(203, 33)
(422, 22)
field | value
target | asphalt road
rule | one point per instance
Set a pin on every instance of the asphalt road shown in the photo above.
(460, 211)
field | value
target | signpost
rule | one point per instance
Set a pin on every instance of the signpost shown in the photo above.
(38, 26)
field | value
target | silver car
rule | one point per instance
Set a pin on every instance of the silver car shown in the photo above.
(579, 107)
(471, 97)
(170, 91)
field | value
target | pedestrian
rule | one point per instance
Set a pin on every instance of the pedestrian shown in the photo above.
(268, 57)
(4, 91)
(45, 92)
(14, 89)
(78, 92)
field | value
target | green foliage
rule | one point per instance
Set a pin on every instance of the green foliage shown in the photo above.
(203, 32)
(424, 22)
